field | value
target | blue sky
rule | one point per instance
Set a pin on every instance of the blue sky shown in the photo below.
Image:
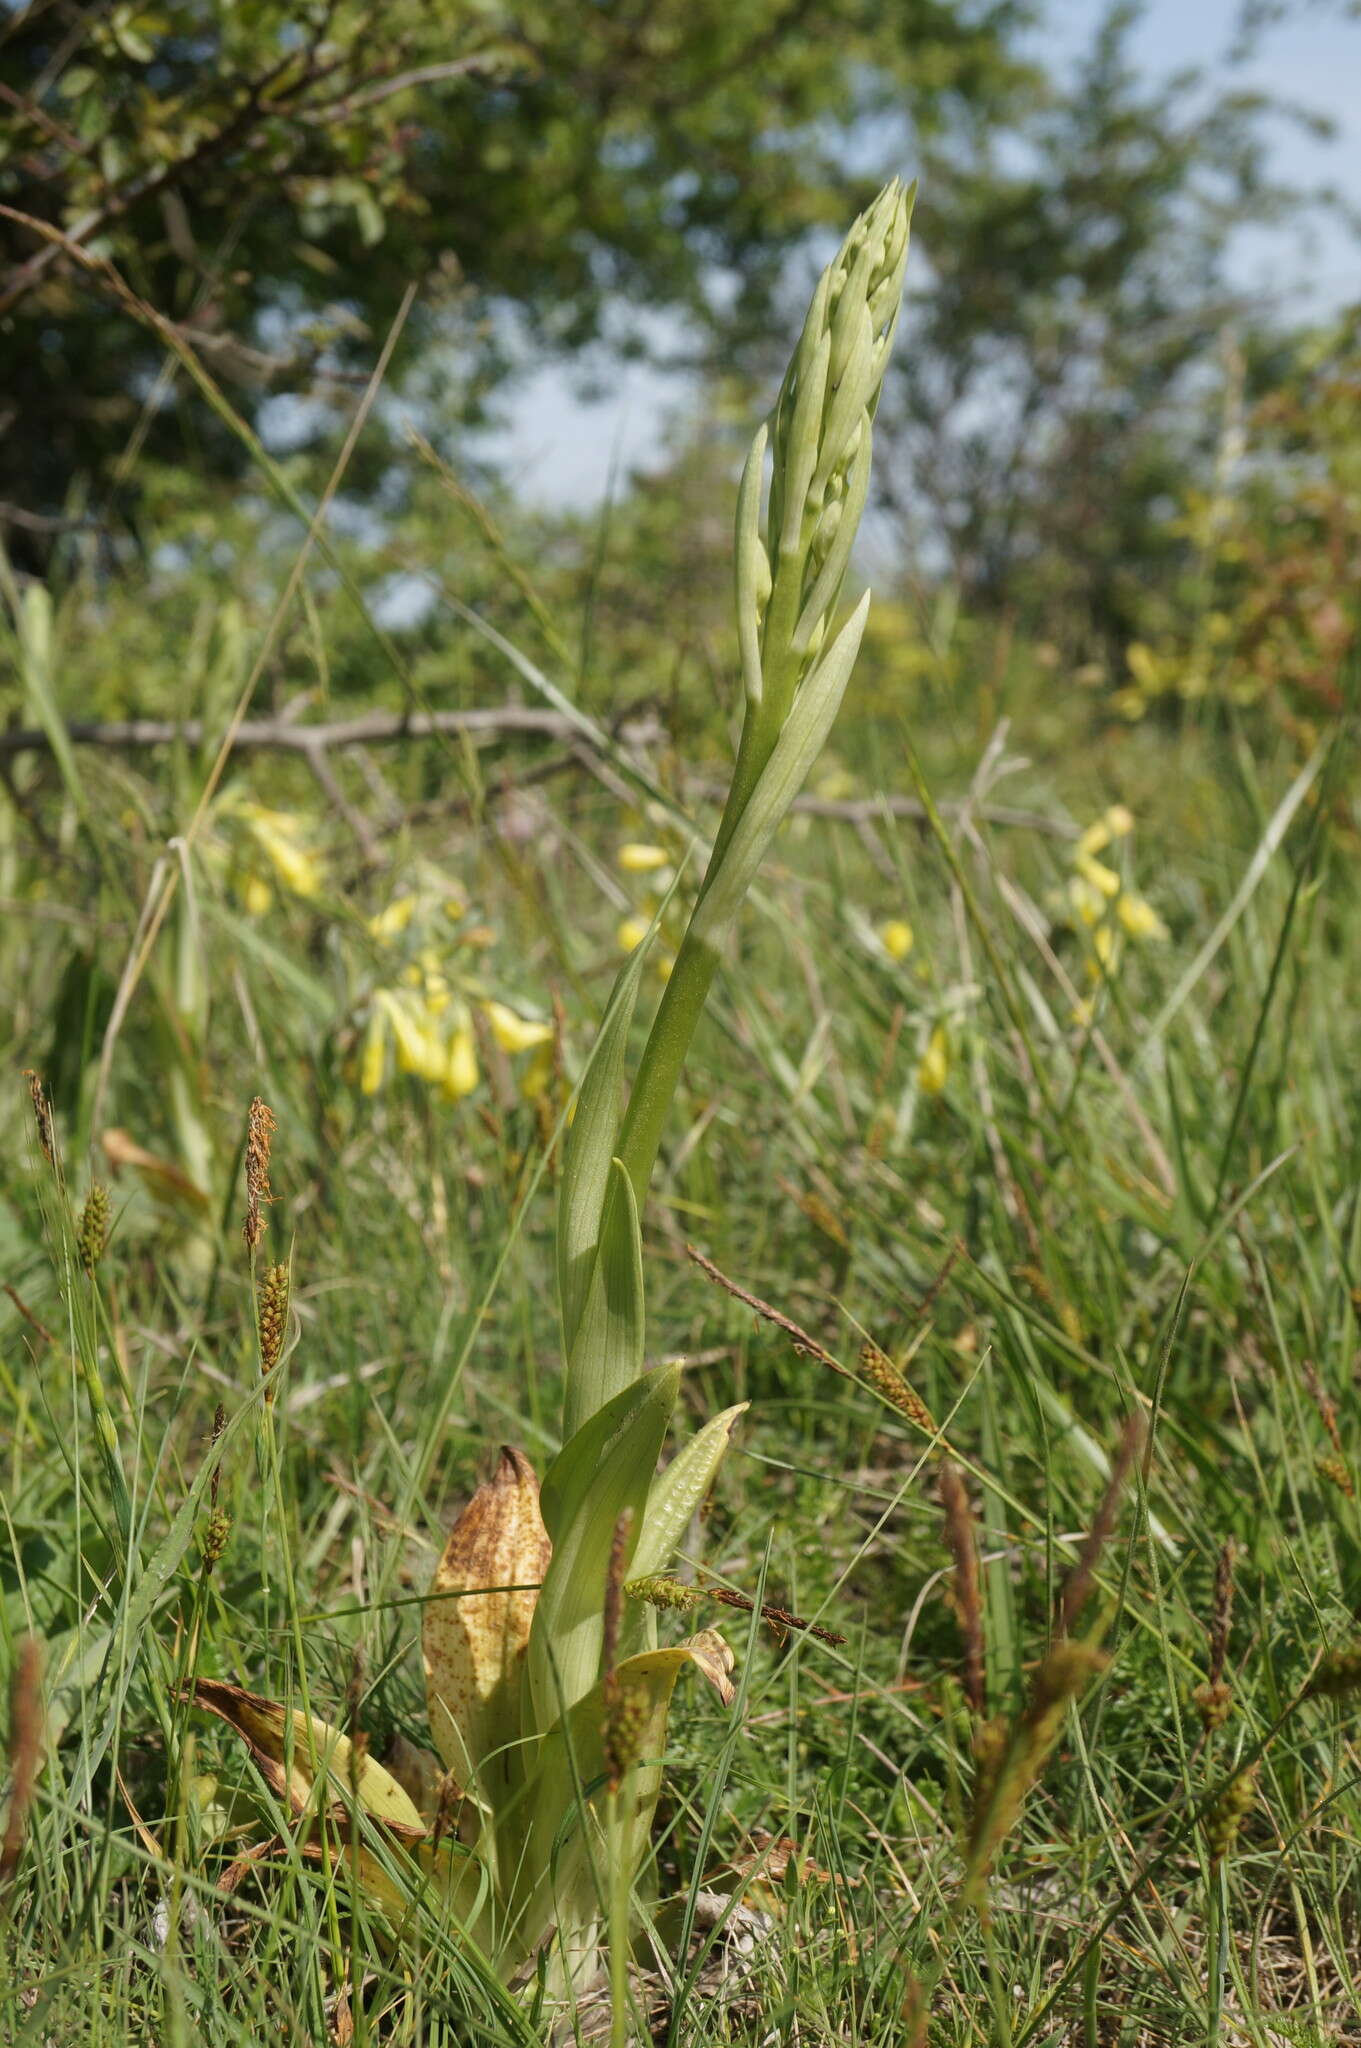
(563, 451)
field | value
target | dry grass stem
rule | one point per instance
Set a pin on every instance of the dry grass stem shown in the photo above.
(965, 1588)
(25, 1752)
(42, 1115)
(1078, 1583)
(806, 1346)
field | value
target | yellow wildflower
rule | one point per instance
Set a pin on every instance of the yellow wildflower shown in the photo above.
(637, 859)
(1139, 918)
(279, 837)
(512, 1033)
(537, 1078)
(419, 1050)
(1098, 874)
(373, 1058)
(933, 1069)
(1086, 899)
(460, 1077)
(258, 895)
(1115, 823)
(1104, 950)
(631, 933)
(392, 922)
(896, 938)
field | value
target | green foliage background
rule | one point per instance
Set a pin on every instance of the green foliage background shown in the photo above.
(1114, 565)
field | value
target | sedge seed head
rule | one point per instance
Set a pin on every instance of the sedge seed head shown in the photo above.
(215, 1536)
(260, 1129)
(273, 1319)
(1334, 1470)
(1230, 1810)
(884, 1376)
(92, 1232)
(1337, 1675)
(1214, 1704)
(625, 1722)
(659, 1591)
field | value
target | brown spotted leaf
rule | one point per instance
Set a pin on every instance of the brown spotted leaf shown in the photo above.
(714, 1661)
(325, 1768)
(476, 1626)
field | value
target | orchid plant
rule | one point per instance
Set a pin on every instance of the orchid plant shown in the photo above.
(548, 1694)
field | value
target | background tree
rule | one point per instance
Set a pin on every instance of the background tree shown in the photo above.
(1061, 393)
(273, 177)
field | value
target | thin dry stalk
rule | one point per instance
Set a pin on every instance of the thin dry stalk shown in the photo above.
(42, 1114)
(966, 1589)
(1214, 1700)
(1078, 1583)
(1010, 1764)
(25, 1751)
(1222, 1617)
(661, 1591)
(621, 1717)
(806, 1346)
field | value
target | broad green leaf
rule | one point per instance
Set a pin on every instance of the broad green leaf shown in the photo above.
(607, 1353)
(474, 1630)
(673, 1499)
(605, 1469)
(589, 1149)
(558, 1885)
(678, 1491)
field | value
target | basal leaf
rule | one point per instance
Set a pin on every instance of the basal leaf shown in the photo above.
(605, 1469)
(474, 1630)
(324, 1769)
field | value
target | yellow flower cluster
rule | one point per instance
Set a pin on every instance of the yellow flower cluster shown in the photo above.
(423, 1024)
(637, 857)
(1101, 905)
(267, 850)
